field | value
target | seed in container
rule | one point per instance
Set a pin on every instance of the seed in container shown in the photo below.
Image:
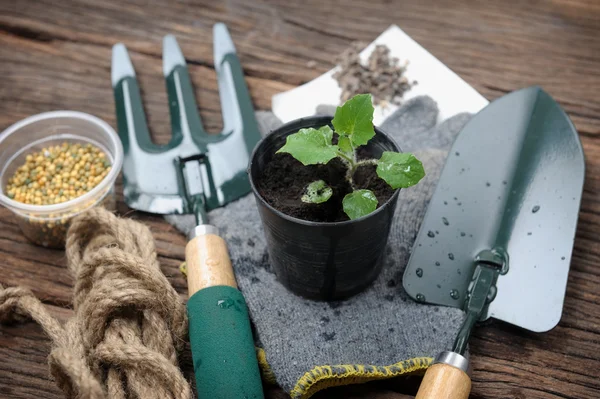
(58, 174)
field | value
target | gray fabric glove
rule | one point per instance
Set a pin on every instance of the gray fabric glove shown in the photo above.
(378, 333)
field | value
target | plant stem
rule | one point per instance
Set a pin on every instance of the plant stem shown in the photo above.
(350, 167)
(366, 162)
(353, 165)
(347, 158)
(349, 174)
(363, 162)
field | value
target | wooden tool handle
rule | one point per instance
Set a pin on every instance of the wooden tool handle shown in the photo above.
(208, 263)
(223, 352)
(442, 381)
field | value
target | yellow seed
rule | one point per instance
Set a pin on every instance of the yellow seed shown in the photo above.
(57, 173)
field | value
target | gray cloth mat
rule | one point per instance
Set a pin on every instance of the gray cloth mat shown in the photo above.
(380, 326)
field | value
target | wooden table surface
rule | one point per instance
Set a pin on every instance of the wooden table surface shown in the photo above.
(56, 55)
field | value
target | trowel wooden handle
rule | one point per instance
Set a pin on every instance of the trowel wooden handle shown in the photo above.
(208, 263)
(445, 381)
(223, 352)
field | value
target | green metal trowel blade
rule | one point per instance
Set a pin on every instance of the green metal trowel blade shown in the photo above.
(512, 183)
(153, 180)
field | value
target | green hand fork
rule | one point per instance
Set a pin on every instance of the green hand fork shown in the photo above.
(193, 174)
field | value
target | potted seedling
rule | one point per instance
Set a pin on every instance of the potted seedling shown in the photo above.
(326, 191)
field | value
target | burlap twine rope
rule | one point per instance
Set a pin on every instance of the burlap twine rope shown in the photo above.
(129, 322)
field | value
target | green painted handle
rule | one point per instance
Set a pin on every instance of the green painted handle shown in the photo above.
(222, 345)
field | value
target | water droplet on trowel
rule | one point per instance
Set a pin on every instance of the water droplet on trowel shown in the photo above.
(430, 234)
(488, 184)
(225, 303)
(445, 221)
(445, 202)
(462, 234)
(419, 272)
(454, 294)
(451, 256)
(457, 153)
(535, 209)
(562, 258)
(529, 233)
(420, 297)
(438, 285)
(437, 263)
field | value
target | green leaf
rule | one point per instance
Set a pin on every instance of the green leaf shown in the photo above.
(355, 119)
(317, 192)
(311, 146)
(345, 145)
(400, 170)
(359, 203)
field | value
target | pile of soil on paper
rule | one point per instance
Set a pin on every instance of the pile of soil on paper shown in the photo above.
(284, 180)
(382, 76)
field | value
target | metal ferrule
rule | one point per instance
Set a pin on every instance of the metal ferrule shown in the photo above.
(202, 230)
(453, 359)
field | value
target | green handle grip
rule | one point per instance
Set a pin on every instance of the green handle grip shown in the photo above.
(223, 351)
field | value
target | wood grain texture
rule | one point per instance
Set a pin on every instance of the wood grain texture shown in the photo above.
(442, 381)
(208, 263)
(56, 55)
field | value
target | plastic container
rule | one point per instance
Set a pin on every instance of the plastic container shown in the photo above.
(47, 225)
(320, 260)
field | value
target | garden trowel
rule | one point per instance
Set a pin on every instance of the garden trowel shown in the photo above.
(498, 234)
(194, 173)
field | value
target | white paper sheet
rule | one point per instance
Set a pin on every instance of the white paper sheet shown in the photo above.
(452, 94)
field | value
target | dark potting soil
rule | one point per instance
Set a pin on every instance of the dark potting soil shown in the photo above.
(284, 180)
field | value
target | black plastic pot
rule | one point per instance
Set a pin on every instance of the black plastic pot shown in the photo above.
(325, 261)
